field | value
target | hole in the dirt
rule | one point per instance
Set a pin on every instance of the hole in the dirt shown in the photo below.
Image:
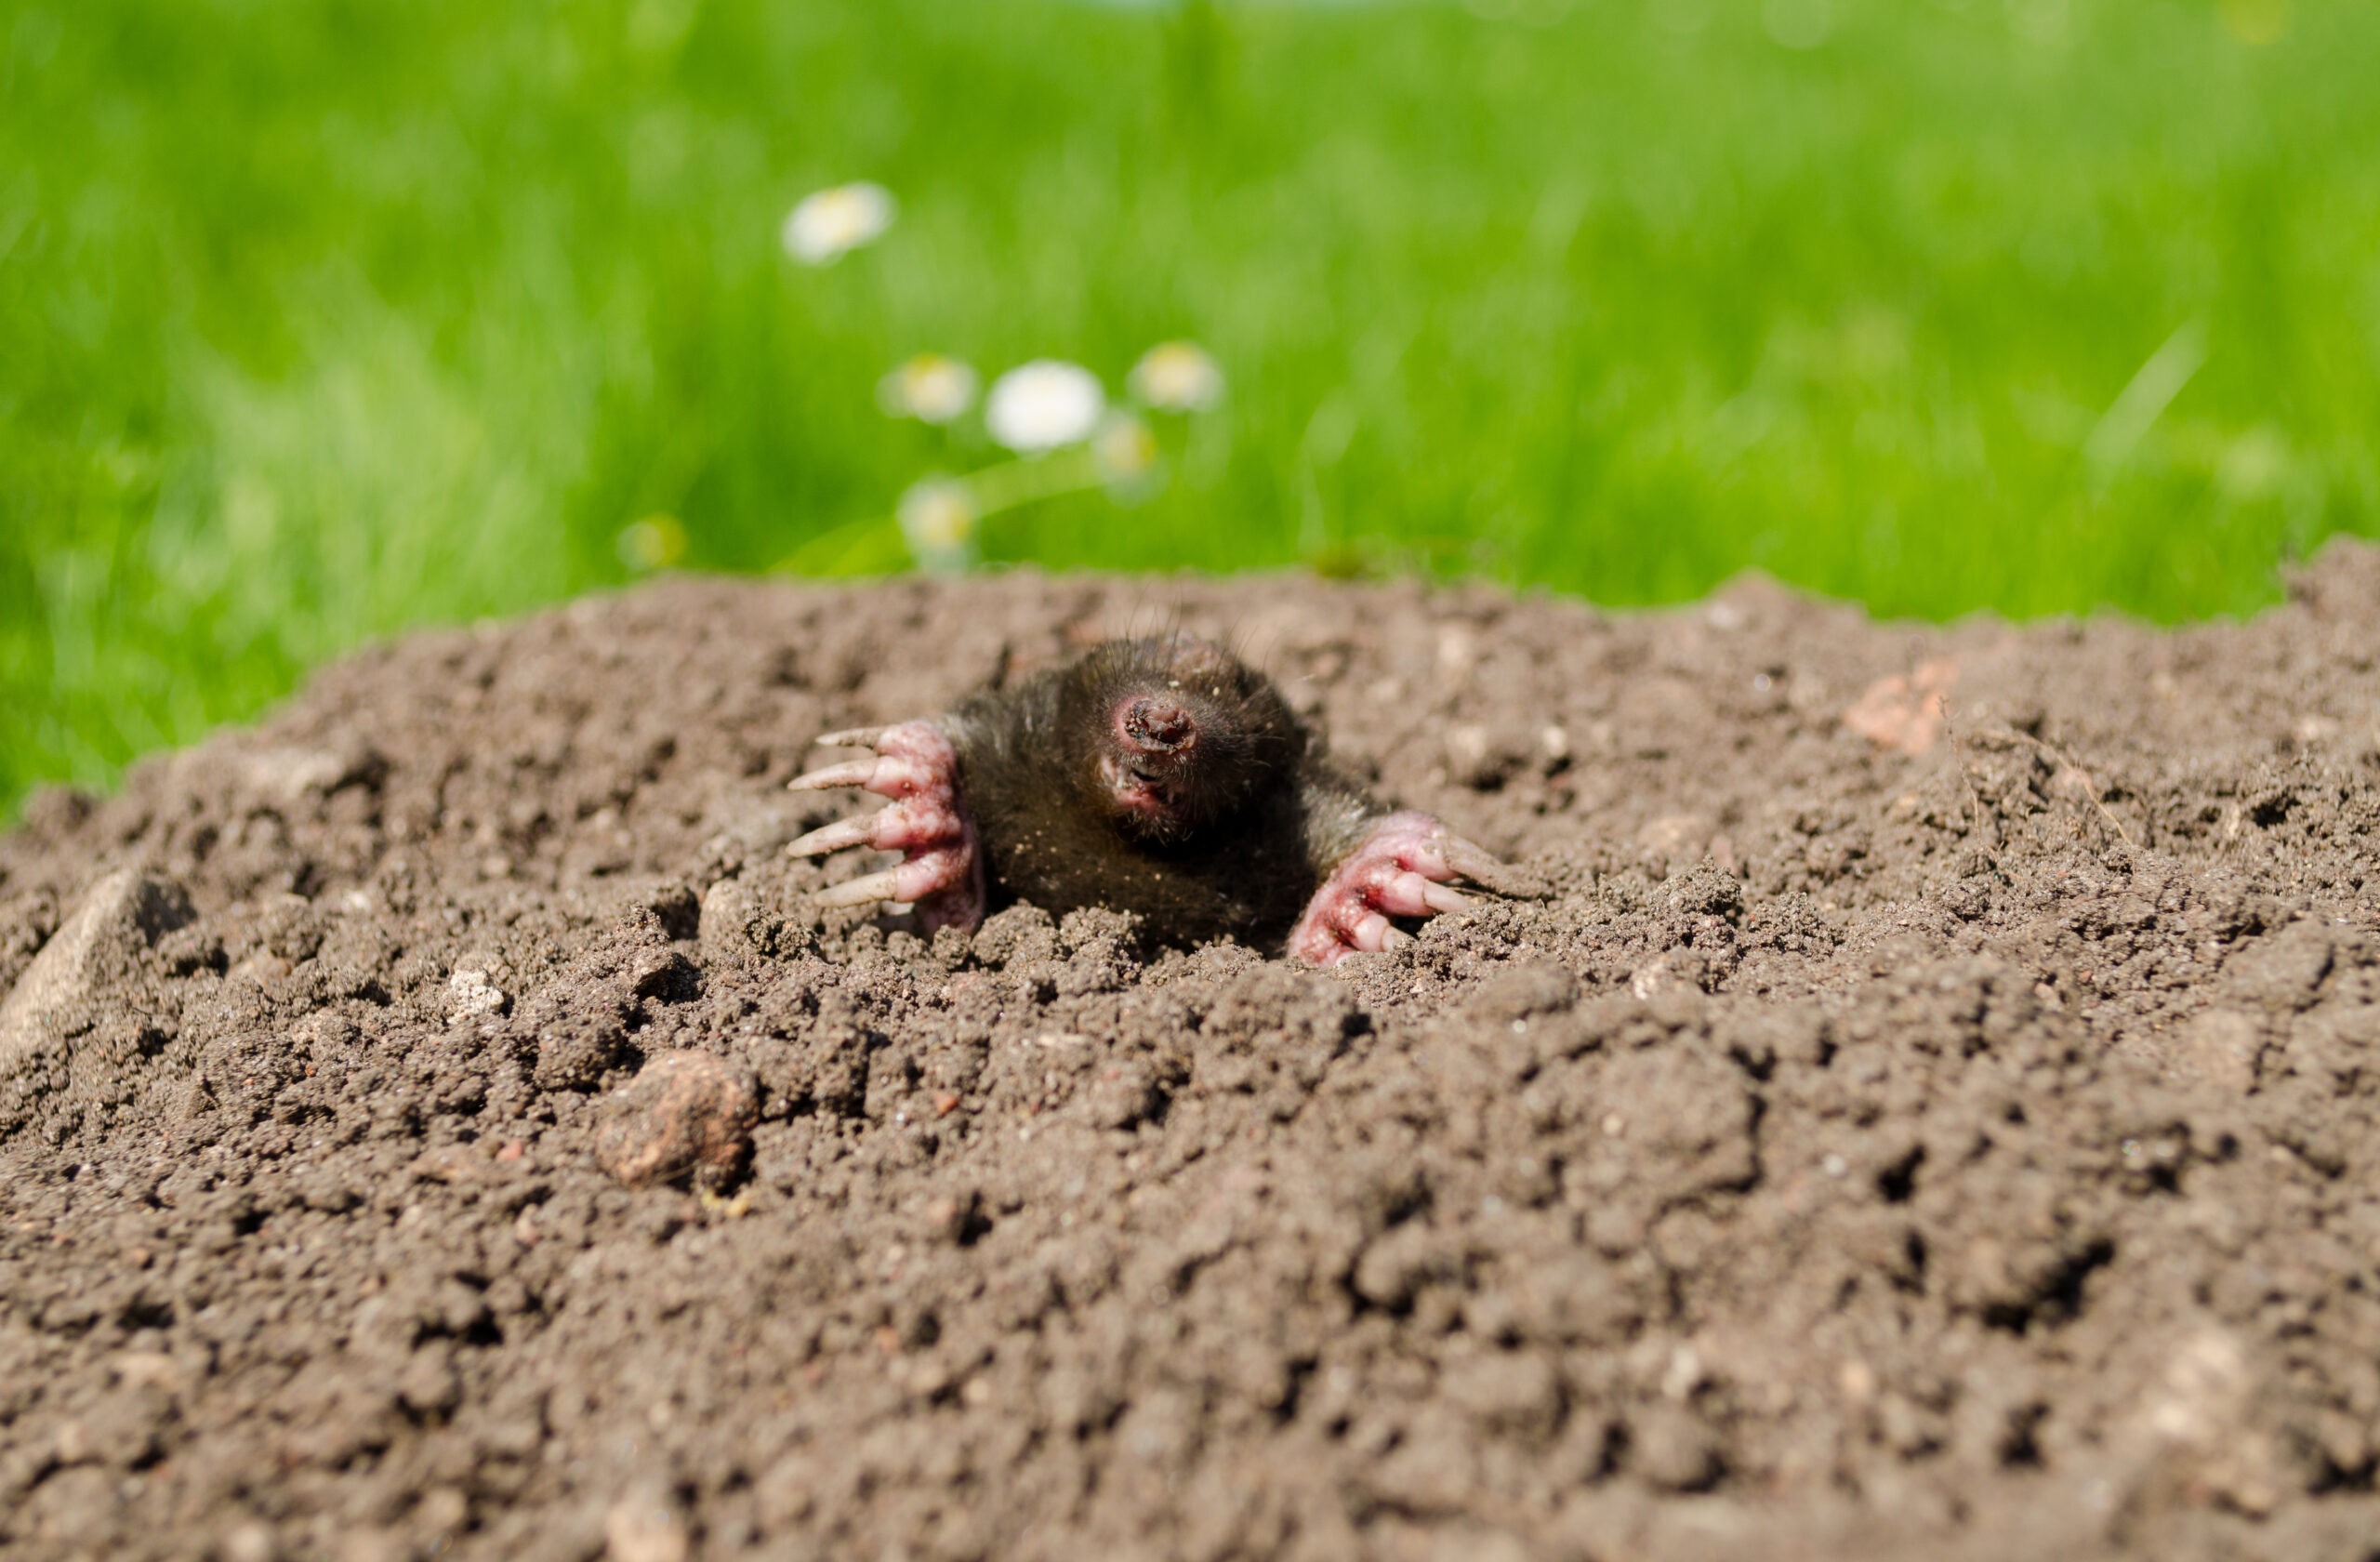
(143, 1312)
(2271, 811)
(2334, 1477)
(1757, 1060)
(2020, 1447)
(1897, 1182)
(1299, 1373)
(2058, 1299)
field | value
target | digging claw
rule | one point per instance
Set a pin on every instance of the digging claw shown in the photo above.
(859, 892)
(942, 871)
(899, 828)
(853, 831)
(851, 773)
(853, 738)
(1439, 898)
(1400, 870)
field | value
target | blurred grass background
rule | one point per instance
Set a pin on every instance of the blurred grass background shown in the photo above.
(324, 318)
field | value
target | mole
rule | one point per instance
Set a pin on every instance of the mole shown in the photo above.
(1159, 776)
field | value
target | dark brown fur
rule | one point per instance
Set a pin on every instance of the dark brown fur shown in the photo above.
(1251, 817)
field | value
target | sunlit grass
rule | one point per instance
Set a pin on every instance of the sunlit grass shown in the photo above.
(323, 320)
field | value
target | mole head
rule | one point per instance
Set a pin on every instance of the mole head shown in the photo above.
(1171, 734)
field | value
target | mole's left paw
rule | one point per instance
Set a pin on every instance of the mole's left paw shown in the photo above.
(1400, 870)
(942, 872)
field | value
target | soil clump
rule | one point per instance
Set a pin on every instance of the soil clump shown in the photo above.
(1932, 1107)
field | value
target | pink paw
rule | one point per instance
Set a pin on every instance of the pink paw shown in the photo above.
(1400, 870)
(941, 872)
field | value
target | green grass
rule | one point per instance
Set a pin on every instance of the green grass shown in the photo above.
(324, 318)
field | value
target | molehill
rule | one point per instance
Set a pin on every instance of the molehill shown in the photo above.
(1930, 1108)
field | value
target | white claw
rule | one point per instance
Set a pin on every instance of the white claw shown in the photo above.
(851, 773)
(1395, 938)
(1440, 899)
(852, 737)
(834, 837)
(860, 892)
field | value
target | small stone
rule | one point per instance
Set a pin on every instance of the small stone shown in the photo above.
(1677, 970)
(97, 950)
(469, 994)
(731, 925)
(684, 1112)
(1905, 712)
(955, 1218)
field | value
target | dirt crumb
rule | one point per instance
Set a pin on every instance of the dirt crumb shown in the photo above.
(685, 1112)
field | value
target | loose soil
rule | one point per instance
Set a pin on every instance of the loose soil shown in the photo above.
(1931, 1110)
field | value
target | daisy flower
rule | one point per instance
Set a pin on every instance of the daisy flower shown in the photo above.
(930, 388)
(938, 518)
(656, 542)
(1124, 448)
(1177, 376)
(827, 223)
(1044, 405)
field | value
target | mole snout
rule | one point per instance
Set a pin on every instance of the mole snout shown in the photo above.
(1157, 726)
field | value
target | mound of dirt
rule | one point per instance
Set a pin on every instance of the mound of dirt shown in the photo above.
(1934, 1108)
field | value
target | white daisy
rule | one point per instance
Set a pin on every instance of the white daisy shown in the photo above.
(1044, 404)
(829, 222)
(1177, 376)
(930, 388)
(656, 542)
(938, 518)
(1124, 448)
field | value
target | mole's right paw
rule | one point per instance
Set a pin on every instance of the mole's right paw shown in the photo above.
(941, 873)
